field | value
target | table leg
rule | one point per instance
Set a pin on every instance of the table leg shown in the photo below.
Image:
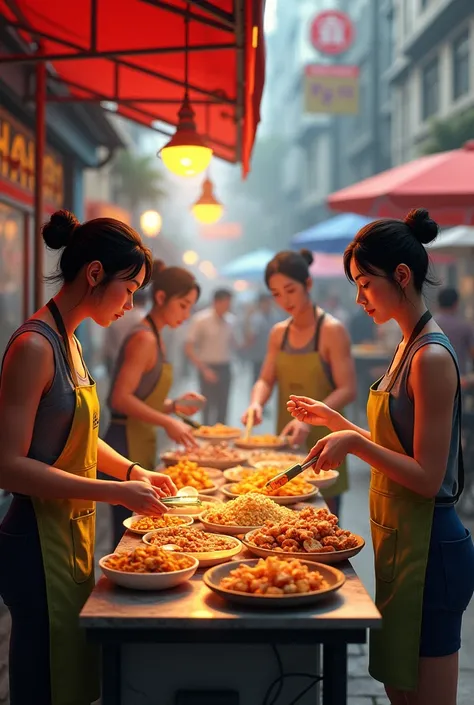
(111, 675)
(335, 674)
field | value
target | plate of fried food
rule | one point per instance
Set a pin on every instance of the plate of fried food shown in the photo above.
(267, 440)
(241, 515)
(217, 433)
(209, 549)
(294, 491)
(238, 473)
(148, 568)
(189, 474)
(274, 582)
(219, 456)
(265, 458)
(141, 524)
(310, 533)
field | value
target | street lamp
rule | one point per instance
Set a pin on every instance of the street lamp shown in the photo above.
(150, 223)
(207, 208)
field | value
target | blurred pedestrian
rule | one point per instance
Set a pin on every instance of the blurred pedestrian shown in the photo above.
(210, 343)
(459, 331)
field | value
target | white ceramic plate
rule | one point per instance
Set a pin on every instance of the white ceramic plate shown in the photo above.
(334, 557)
(225, 529)
(285, 501)
(325, 479)
(280, 457)
(334, 577)
(215, 440)
(207, 558)
(187, 521)
(148, 581)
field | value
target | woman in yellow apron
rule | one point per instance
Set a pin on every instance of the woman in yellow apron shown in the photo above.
(424, 556)
(143, 377)
(307, 354)
(49, 418)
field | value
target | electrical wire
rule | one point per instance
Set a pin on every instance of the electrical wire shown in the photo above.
(279, 682)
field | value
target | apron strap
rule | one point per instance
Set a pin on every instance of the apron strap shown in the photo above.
(427, 316)
(319, 323)
(58, 319)
(156, 334)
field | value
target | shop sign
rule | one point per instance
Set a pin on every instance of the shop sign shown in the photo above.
(331, 89)
(332, 32)
(17, 163)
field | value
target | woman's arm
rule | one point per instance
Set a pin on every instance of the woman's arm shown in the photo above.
(432, 384)
(139, 352)
(27, 373)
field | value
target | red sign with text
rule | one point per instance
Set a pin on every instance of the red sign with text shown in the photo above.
(332, 32)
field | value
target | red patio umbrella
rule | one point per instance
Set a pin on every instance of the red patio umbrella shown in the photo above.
(443, 183)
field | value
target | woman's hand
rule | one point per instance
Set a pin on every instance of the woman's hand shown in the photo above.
(257, 411)
(163, 484)
(180, 433)
(296, 432)
(189, 409)
(140, 497)
(313, 412)
(330, 451)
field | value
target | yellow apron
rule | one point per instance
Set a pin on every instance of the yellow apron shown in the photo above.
(141, 437)
(400, 522)
(67, 534)
(304, 374)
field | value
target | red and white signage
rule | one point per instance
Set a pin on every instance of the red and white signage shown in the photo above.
(332, 32)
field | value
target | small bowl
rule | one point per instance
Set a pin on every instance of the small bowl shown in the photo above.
(187, 521)
(148, 581)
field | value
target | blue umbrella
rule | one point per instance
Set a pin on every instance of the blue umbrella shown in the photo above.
(250, 266)
(331, 236)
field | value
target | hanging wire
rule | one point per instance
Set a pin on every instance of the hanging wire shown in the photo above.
(186, 49)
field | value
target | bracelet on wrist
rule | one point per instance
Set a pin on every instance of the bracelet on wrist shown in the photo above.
(129, 470)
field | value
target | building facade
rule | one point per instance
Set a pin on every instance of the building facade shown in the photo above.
(432, 72)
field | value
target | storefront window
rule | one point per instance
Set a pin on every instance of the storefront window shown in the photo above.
(11, 272)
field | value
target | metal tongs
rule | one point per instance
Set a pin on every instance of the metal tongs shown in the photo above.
(186, 501)
(286, 475)
(187, 420)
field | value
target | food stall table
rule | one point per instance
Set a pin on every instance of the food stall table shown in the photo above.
(155, 644)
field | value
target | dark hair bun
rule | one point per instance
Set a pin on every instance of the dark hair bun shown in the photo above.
(158, 266)
(422, 226)
(307, 255)
(58, 230)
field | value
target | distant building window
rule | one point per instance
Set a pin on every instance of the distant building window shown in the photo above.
(430, 89)
(461, 58)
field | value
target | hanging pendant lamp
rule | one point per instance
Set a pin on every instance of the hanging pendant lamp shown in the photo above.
(207, 209)
(186, 154)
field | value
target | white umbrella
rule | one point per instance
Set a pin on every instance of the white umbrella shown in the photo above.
(455, 238)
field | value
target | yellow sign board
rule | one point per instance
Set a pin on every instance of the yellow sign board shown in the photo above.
(331, 89)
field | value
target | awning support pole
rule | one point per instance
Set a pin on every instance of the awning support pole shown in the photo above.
(39, 194)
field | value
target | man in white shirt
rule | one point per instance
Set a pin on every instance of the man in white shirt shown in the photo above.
(209, 346)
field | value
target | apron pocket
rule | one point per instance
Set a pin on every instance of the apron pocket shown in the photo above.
(83, 537)
(384, 540)
(458, 565)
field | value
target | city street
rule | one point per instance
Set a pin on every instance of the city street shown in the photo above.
(363, 690)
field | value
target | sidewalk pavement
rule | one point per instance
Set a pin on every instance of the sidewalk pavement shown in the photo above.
(363, 690)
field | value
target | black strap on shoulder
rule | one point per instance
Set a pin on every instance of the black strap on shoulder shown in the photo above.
(58, 319)
(285, 336)
(427, 316)
(155, 332)
(317, 334)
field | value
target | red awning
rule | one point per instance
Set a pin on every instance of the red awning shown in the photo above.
(443, 183)
(131, 52)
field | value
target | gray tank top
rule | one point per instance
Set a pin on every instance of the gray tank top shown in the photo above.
(55, 412)
(402, 410)
(148, 381)
(311, 346)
